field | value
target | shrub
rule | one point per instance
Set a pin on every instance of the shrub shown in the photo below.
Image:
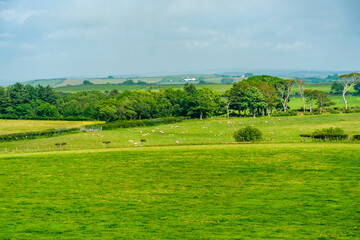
(325, 134)
(356, 138)
(248, 134)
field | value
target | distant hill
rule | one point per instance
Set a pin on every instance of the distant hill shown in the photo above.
(45, 82)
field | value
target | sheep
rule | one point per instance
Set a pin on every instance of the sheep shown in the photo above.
(153, 131)
(161, 132)
(176, 126)
(177, 142)
(131, 141)
(266, 121)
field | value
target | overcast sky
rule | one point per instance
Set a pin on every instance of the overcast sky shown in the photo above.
(49, 38)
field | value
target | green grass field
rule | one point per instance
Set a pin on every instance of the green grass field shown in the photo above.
(190, 182)
(108, 87)
(214, 131)
(353, 101)
(274, 191)
(19, 126)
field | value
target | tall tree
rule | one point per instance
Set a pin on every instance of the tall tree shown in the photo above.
(310, 97)
(348, 81)
(254, 100)
(284, 88)
(301, 85)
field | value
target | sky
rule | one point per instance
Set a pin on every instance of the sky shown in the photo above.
(49, 39)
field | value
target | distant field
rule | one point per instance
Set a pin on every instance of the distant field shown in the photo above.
(152, 80)
(217, 130)
(19, 126)
(353, 101)
(275, 191)
(219, 87)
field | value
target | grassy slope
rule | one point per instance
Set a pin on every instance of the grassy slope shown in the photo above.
(194, 132)
(289, 191)
(19, 126)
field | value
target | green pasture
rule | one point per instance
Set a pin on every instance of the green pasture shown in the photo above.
(108, 87)
(244, 191)
(190, 132)
(151, 80)
(19, 126)
(353, 101)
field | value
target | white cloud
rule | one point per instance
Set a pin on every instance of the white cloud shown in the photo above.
(16, 17)
(292, 46)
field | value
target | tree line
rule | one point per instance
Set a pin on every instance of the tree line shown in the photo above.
(254, 96)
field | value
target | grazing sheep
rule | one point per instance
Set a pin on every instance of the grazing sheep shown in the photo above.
(177, 142)
(153, 131)
(176, 126)
(131, 141)
(266, 121)
(252, 125)
(172, 126)
(161, 132)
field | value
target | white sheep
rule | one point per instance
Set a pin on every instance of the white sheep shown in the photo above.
(131, 141)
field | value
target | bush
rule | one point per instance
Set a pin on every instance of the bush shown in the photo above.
(356, 138)
(325, 134)
(248, 134)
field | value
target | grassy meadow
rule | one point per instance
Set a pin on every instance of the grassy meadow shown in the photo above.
(190, 132)
(19, 126)
(275, 191)
(189, 182)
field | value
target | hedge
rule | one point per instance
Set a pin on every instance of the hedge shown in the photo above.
(142, 123)
(32, 135)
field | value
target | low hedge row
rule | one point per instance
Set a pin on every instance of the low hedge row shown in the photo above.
(330, 134)
(32, 135)
(142, 123)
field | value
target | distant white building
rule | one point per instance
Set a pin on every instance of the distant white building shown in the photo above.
(189, 79)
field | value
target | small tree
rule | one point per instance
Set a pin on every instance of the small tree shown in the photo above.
(348, 81)
(60, 145)
(248, 134)
(336, 88)
(322, 99)
(87, 82)
(129, 82)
